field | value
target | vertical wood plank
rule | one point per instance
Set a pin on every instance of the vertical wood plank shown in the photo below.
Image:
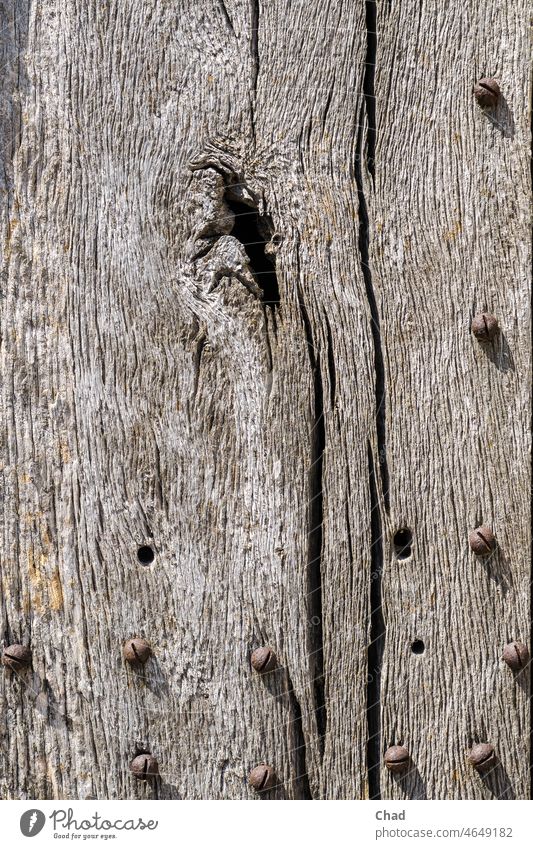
(155, 401)
(450, 238)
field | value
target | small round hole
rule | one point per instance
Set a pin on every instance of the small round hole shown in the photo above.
(418, 647)
(145, 554)
(403, 540)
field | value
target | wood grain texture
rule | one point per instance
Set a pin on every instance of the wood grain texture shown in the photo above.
(265, 416)
(451, 238)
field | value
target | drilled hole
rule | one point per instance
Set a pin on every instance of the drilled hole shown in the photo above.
(403, 540)
(418, 647)
(145, 554)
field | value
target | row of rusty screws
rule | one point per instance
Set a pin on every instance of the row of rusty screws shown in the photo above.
(145, 766)
(487, 92)
(17, 657)
(263, 777)
(136, 652)
(482, 757)
(397, 760)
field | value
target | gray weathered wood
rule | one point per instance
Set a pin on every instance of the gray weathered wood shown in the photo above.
(267, 452)
(450, 238)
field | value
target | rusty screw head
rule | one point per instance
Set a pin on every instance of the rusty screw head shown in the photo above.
(16, 657)
(516, 655)
(264, 659)
(144, 767)
(484, 326)
(482, 757)
(262, 777)
(482, 541)
(396, 759)
(136, 651)
(487, 92)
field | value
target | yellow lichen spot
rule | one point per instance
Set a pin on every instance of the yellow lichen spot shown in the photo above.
(33, 571)
(56, 591)
(36, 580)
(451, 234)
(45, 540)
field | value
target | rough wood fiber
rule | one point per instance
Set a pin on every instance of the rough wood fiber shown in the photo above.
(150, 396)
(450, 237)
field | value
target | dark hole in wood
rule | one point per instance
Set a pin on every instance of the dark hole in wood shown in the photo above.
(403, 540)
(145, 554)
(253, 231)
(418, 647)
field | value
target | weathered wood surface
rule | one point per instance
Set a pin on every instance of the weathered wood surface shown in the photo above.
(155, 392)
(450, 238)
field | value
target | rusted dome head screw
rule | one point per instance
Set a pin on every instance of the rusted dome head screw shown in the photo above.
(136, 651)
(516, 655)
(16, 657)
(484, 326)
(396, 759)
(262, 777)
(482, 541)
(264, 659)
(144, 767)
(487, 92)
(482, 757)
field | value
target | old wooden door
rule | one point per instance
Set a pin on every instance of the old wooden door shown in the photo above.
(243, 243)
